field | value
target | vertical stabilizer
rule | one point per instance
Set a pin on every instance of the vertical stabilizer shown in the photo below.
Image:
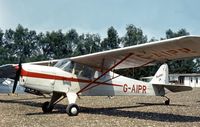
(161, 76)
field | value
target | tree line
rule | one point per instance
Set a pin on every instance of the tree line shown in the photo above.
(32, 46)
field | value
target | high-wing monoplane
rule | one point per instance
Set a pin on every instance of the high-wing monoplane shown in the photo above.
(92, 74)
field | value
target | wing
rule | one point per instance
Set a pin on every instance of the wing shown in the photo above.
(45, 63)
(7, 71)
(144, 54)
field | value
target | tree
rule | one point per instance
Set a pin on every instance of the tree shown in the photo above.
(133, 36)
(20, 43)
(56, 44)
(1, 37)
(25, 44)
(112, 41)
(45, 46)
(153, 39)
(7, 45)
(92, 43)
(3, 53)
(88, 43)
(170, 34)
(71, 42)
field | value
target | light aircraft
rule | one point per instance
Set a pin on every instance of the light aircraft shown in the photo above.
(92, 74)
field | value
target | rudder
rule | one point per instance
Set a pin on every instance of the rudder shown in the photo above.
(161, 76)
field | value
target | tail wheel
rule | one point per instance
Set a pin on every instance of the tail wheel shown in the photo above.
(167, 102)
(72, 110)
(46, 108)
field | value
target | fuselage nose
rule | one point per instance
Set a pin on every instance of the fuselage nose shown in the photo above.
(42, 78)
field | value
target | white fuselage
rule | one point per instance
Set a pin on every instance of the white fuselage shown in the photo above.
(48, 79)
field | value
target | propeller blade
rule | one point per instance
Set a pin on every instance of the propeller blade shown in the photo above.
(18, 72)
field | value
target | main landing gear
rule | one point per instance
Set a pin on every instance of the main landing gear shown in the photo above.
(72, 109)
(47, 108)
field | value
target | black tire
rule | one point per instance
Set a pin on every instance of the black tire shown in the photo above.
(46, 108)
(72, 110)
(167, 102)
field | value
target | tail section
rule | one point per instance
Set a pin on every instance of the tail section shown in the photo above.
(161, 81)
(161, 76)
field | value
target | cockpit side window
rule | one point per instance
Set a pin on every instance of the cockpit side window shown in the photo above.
(78, 69)
(84, 71)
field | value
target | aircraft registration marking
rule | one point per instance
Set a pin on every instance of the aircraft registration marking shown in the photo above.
(135, 88)
(167, 53)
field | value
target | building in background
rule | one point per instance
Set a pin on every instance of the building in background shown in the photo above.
(192, 80)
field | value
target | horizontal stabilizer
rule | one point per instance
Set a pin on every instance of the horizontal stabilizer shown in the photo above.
(175, 88)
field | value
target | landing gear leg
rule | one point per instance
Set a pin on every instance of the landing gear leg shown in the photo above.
(167, 102)
(72, 108)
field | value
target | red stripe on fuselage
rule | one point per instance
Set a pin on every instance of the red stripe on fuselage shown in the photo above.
(47, 76)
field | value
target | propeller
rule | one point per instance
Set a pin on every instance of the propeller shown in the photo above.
(17, 76)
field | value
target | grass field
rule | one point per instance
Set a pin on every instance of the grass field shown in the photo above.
(24, 110)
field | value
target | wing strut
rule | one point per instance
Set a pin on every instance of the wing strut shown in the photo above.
(113, 77)
(105, 73)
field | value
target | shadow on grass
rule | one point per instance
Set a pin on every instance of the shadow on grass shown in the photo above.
(116, 111)
(162, 117)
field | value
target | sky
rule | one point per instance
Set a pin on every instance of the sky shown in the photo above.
(154, 17)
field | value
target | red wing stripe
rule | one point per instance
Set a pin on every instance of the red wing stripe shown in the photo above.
(47, 76)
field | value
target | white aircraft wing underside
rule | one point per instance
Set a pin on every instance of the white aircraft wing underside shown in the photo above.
(144, 54)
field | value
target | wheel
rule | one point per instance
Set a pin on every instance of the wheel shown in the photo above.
(72, 109)
(167, 102)
(46, 108)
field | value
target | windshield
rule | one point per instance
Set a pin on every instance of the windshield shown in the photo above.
(60, 63)
(65, 65)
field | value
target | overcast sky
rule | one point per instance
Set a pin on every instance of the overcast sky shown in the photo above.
(154, 17)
